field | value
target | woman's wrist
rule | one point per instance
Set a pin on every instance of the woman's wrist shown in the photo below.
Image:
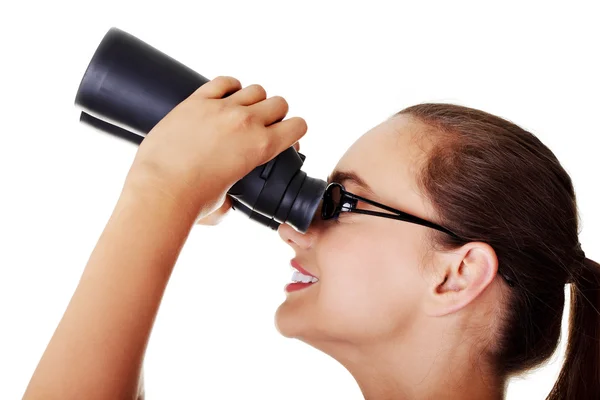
(152, 191)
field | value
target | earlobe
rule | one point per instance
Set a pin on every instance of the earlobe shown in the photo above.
(462, 275)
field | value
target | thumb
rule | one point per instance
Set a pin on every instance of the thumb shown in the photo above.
(216, 216)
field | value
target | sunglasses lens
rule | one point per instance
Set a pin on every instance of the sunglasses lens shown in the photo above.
(331, 201)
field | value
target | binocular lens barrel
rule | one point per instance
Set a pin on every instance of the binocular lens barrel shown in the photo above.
(129, 86)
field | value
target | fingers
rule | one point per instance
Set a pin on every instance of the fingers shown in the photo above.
(270, 110)
(249, 95)
(286, 133)
(219, 87)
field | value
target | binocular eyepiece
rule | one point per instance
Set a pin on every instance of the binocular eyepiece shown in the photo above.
(129, 86)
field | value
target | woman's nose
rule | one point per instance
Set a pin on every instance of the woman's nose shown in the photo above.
(294, 238)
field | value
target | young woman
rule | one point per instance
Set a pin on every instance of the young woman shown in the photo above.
(441, 251)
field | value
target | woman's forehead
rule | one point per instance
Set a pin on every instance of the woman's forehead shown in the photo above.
(387, 158)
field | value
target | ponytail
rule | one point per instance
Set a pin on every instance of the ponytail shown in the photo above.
(579, 377)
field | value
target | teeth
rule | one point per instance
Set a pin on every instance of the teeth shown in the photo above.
(299, 277)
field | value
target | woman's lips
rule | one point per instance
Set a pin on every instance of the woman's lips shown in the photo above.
(298, 267)
(294, 286)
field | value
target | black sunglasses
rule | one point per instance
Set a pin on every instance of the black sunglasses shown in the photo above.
(336, 199)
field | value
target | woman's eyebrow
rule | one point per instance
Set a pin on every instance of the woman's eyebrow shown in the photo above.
(350, 176)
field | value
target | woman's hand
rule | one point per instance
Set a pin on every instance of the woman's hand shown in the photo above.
(198, 151)
(181, 172)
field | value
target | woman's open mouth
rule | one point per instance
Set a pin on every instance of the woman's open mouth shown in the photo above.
(300, 280)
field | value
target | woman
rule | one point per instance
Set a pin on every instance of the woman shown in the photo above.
(444, 299)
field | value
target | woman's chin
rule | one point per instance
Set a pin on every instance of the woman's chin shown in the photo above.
(282, 321)
(289, 321)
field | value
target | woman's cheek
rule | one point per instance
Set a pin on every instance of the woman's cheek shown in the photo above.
(345, 296)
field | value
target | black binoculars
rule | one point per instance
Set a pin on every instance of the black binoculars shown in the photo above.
(129, 86)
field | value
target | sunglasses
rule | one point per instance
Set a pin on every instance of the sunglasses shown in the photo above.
(336, 199)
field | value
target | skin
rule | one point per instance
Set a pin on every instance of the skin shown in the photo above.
(406, 321)
(98, 347)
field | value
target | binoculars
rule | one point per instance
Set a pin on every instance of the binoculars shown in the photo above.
(129, 86)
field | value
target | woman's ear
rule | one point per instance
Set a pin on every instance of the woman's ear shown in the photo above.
(459, 277)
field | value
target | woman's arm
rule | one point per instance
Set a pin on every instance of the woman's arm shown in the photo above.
(182, 172)
(98, 347)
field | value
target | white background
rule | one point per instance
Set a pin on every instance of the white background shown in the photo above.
(344, 67)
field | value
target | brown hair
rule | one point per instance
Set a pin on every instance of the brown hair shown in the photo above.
(490, 180)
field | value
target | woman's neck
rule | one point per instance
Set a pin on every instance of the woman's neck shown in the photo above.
(420, 367)
(440, 383)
